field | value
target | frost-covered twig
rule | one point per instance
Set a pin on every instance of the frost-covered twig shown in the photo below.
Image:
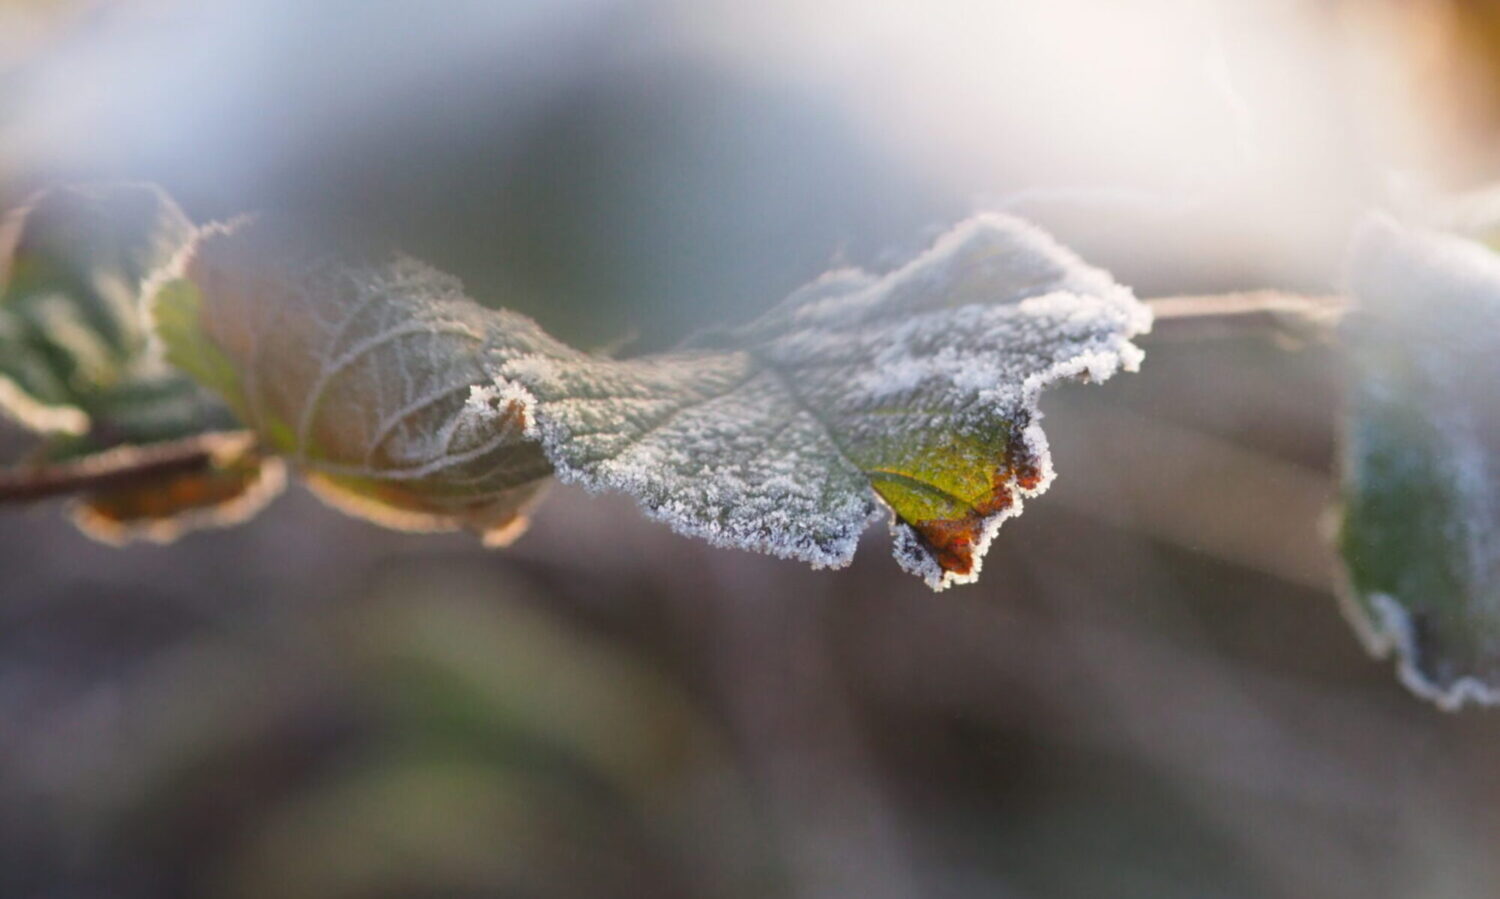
(1250, 314)
(119, 467)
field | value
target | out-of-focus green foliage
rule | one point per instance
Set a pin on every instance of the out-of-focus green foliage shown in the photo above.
(472, 746)
(73, 333)
(1421, 517)
(79, 363)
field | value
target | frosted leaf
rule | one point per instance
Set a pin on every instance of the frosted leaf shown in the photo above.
(1420, 533)
(913, 393)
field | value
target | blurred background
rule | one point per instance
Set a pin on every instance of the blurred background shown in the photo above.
(1151, 692)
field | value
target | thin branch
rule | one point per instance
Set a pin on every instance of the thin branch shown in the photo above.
(120, 467)
(1263, 313)
(1214, 317)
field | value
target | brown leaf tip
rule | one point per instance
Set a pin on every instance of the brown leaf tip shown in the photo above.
(953, 542)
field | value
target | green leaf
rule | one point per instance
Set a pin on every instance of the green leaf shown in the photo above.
(912, 394)
(1420, 531)
(72, 264)
(78, 362)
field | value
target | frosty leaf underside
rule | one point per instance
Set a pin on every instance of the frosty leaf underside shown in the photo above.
(914, 392)
(1420, 533)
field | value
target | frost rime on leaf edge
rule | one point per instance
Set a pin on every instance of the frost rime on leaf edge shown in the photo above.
(913, 556)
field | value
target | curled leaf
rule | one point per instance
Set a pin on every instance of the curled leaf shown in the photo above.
(913, 393)
(1420, 530)
(361, 371)
(156, 491)
(236, 482)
